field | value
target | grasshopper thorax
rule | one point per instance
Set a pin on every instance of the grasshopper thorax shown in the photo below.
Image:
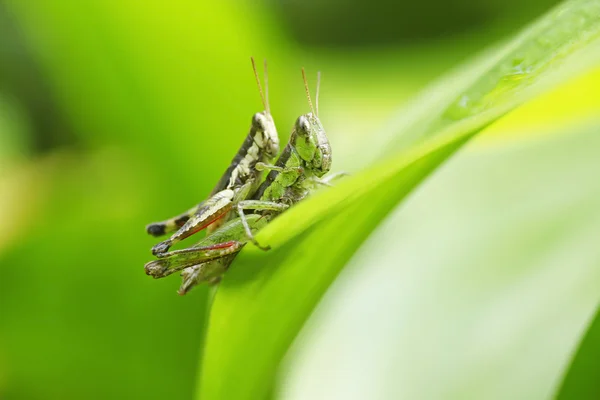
(265, 134)
(311, 144)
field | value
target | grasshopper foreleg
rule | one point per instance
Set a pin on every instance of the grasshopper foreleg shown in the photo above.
(209, 211)
(328, 179)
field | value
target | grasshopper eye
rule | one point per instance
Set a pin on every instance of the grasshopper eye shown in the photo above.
(303, 124)
(259, 121)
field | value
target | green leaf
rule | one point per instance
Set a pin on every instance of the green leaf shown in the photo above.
(266, 297)
(581, 380)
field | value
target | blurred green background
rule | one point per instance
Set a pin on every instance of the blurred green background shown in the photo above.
(114, 114)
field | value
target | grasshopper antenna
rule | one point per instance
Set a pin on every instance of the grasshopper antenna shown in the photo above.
(307, 91)
(317, 94)
(266, 76)
(262, 96)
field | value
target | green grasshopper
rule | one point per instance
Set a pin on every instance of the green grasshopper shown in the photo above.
(305, 159)
(238, 181)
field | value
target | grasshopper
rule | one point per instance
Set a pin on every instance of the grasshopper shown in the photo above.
(305, 159)
(238, 181)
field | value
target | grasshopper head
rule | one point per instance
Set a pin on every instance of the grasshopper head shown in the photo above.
(265, 134)
(309, 137)
(263, 126)
(312, 144)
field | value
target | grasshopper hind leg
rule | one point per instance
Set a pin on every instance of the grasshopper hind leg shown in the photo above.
(181, 259)
(204, 215)
(172, 224)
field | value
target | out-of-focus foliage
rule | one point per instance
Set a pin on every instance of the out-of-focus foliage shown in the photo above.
(156, 111)
(377, 23)
(117, 113)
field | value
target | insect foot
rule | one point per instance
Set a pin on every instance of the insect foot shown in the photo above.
(155, 269)
(264, 248)
(161, 248)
